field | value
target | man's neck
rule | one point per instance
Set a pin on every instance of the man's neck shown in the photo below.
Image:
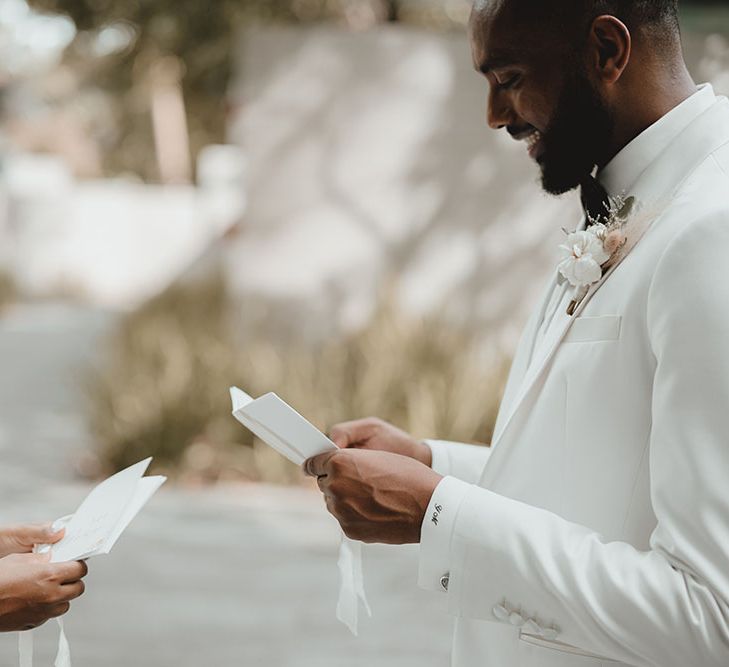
(664, 95)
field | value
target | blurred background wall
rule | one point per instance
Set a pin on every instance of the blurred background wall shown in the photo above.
(321, 170)
(290, 195)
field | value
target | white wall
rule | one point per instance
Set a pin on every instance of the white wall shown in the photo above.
(370, 160)
(114, 243)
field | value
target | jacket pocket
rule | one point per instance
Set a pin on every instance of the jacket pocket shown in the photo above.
(567, 650)
(595, 329)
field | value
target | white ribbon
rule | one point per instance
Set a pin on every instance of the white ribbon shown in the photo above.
(63, 655)
(351, 584)
(25, 639)
(25, 648)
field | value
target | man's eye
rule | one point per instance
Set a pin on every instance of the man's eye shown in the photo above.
(510, 82)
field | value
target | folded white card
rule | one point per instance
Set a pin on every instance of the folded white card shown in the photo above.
(281, 427)
(104, 514)
(93, 530)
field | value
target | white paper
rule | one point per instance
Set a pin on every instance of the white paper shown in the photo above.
(281, 427)
(105, 513)
(93, 530)
(146, 488)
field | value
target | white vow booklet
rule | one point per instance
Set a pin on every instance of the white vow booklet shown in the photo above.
(104, 515)
(93, 530)
(281, 427)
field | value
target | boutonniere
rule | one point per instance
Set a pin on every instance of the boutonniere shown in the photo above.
(587, 255)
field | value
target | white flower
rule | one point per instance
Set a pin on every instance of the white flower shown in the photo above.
(583, 256)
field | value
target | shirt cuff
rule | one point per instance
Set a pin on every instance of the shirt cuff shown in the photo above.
(436, 533)
(440, 462)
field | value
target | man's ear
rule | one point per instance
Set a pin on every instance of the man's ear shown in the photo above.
(609, 48)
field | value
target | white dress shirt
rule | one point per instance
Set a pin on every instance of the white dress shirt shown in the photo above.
(618, 177)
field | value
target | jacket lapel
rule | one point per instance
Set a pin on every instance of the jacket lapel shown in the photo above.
(657, 184)
(523, 356)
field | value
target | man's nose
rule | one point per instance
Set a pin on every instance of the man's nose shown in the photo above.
(498, 112)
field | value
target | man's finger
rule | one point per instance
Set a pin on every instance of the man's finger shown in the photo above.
(72, 591)
(329, 503)
(56, 610)
(321, 482)
(348, 434)
(72, 571)
(316, 466)
(342, 435)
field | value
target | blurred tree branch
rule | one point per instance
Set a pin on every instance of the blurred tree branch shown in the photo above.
(393, 10)
(119, 41)
(200, 36)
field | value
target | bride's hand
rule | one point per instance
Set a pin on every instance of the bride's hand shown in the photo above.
(33, 590)
(21, 539)
(375, 434)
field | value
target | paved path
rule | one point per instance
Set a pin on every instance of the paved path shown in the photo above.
(240, 575)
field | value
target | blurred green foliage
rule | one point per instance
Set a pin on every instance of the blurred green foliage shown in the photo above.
(162, 387)
(201, 36)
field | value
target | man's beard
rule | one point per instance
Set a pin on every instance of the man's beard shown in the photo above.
(578, 135)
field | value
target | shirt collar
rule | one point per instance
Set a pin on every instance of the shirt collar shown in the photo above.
(624, 170)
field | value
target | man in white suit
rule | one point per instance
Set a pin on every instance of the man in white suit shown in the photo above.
(595, 529)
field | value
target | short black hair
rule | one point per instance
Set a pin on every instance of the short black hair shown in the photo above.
(635, 13)
(659, 18)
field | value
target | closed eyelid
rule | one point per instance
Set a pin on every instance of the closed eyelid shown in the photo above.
(498, 61)
(509, 80)
(506, 72)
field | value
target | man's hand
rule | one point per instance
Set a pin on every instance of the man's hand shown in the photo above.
(32, 590)
(376, 496)
(21, 539)
(376, 434)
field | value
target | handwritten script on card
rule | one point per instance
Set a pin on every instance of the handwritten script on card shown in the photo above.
(104, 515)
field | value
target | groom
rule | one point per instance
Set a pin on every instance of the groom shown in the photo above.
(595, 529)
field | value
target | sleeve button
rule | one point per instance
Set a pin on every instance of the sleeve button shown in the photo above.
(501, 612)
(516, 619)
(445, 580)
(531, 627)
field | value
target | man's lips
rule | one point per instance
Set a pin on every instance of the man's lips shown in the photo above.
(533, 139)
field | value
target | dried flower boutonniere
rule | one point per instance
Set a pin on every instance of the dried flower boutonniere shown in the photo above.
(588, 254)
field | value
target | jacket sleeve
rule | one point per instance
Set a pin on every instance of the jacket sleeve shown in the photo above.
(466, 462)
(667, 606)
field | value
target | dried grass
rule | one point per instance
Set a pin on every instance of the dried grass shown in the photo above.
(162, 388)
(9, 291)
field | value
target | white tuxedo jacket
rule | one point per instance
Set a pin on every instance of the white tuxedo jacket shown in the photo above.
(595, 530)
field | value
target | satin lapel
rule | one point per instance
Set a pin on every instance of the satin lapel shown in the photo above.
(657, 184)
(522, 358)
